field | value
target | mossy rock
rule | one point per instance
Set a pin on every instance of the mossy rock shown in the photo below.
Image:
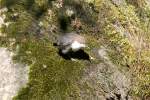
(122, 29)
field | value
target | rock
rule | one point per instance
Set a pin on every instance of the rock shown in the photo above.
(12, 76)
(106, 80)
(119, 2)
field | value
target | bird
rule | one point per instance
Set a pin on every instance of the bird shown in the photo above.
(71, 42)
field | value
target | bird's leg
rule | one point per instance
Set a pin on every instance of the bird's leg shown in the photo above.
(92, 58)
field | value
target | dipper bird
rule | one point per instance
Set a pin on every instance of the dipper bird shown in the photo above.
(71, 42)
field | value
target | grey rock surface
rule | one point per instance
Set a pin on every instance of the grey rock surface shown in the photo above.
(105, 80)
(12, 76)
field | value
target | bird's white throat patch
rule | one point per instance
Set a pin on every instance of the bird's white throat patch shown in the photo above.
(76, 46)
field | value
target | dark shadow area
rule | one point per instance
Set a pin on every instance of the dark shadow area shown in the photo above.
(118, 96)
(55, 44)
(110, 98)
(7, 3)
(36, 10)
(80, 55)
(82, 11)
(63, 22)
(40, 12)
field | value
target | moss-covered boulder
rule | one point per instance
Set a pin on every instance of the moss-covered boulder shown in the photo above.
(117, 33)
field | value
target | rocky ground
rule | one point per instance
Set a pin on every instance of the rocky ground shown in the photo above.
(117, 33)
(13, 76)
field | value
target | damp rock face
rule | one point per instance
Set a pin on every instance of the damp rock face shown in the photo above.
(12, 76)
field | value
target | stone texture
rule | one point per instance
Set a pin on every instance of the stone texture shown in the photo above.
(106, 80)
(12, 76)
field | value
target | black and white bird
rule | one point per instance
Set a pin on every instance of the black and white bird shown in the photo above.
(71, 42)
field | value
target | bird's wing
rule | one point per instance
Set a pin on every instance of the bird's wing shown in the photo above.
(65, 40)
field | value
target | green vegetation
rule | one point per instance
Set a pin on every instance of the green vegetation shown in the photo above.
(123, 29)
(50, 76)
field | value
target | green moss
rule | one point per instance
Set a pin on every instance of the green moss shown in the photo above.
(4, 42)
(50, 76)
(121, 28)
(113, 31)
(121, 45)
